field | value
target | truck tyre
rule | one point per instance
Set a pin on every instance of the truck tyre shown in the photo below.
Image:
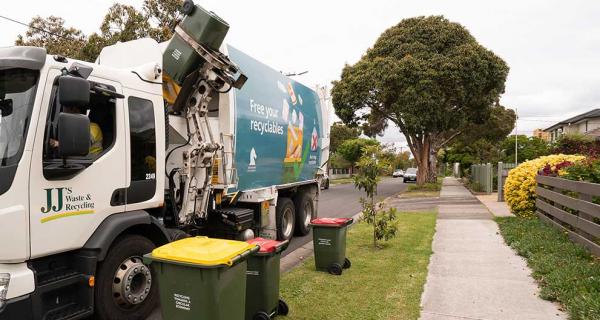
(285, 219)
(125, 287)
(305, 210)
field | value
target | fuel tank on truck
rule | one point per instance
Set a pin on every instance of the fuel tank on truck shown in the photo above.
(278, 127)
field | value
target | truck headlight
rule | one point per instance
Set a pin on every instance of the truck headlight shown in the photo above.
(4, 280)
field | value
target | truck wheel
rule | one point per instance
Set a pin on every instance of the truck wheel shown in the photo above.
(305, 210)
(124, 284)
(285, 219)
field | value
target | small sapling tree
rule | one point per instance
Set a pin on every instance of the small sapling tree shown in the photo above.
(370, 166)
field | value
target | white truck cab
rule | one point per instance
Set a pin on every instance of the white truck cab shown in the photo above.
(47, 208)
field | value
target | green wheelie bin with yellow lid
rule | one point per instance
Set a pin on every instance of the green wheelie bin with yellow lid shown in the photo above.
(202, 278)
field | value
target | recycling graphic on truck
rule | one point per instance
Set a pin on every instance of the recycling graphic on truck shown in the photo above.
(278, 125)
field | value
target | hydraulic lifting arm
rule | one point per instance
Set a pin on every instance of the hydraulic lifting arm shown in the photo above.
(217, 74)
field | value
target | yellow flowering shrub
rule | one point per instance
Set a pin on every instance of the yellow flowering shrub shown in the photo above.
(519, 188)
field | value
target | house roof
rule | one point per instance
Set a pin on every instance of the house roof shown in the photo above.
(590, 114)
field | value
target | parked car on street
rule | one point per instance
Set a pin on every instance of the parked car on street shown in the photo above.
(398, 173)
(410, 175)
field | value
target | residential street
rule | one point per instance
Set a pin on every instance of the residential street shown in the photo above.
(342, 201)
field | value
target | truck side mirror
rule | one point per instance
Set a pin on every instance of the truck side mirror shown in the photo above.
(74, 92)
(73, 135)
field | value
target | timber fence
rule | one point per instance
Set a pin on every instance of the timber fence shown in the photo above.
(571, 206)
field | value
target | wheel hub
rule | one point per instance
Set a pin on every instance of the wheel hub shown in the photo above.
(308, 213)
(288, 222)
(132, 282)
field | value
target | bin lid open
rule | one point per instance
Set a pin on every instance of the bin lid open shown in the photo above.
(266, 245)
(203, 251)
(332, 222)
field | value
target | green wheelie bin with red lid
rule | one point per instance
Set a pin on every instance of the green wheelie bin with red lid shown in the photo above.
(329, 241)
(262, 280)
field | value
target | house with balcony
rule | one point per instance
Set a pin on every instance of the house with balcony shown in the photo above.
(587, 123)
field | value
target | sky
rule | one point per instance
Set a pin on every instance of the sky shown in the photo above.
(551, 47)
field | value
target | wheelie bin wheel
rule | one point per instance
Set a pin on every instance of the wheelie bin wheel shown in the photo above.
(282, 308)
(347, 263)
(261, 316)
(335, 269)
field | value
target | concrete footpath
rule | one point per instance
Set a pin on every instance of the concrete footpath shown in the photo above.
(473, 274)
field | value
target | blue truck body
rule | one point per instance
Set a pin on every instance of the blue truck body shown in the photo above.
(278, 127)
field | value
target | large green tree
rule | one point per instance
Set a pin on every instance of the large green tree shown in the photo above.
(122, 23)
(427, 75)
(495, 128)
(528, 148)
(352, 150)
(164, 15)
(340, 133)
(403, 161)
(481, 143)
(52, 34)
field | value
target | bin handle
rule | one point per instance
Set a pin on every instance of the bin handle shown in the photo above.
(282, 246)
(242, 256)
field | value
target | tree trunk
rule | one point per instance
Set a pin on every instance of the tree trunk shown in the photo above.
(432, 173)
(423, 162)
(374, 223)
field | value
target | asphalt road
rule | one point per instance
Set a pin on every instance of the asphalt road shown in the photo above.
(341, 201)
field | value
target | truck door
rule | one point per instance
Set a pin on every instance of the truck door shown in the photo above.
(144, 114)
(67, 207)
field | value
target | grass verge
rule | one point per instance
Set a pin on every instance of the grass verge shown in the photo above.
(427, 190)
(566, 272)
(419, 194)
(425, 187)
(382, 283)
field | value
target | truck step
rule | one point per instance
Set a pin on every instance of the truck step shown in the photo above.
(69, 312)
(63, 290)
(62, 281)
(55, 276)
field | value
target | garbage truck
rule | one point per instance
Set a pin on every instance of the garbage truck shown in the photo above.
(102, 162)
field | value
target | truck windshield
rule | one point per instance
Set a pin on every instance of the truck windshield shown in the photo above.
(17, 93)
